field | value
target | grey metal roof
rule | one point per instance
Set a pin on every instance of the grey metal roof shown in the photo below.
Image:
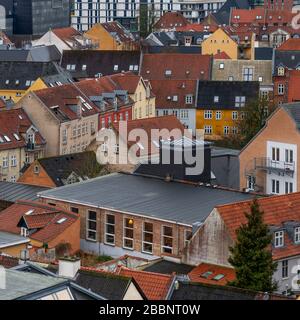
(220, 152)
(19, 284)
(293, 109)
(7, 239)
(170, 201)
(12, 192)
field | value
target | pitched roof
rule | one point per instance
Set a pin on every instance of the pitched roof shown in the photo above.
(293, 109)
(83, 164)
(221, 55)
(168, 267)
(279, 211)
(172, 93)
(200, 291)
(287, 58)
(251, 16)
(88, 63)
(8, 239)
(109, 285)
(15, 75)
(291, 44)
(155, 286)
(14, 124)
(11, 191)
(223, 14)
(50, 221)
(213, 274)
(170, 20)
(118, 32)
(226, 91)
(176, 66)
(66, 34)
(8, 262)
(155, 198)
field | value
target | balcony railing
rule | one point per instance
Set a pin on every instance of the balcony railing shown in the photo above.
(275, 166)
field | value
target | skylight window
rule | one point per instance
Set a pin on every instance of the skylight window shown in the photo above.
(29, 212)
(7, 138)
(62, 220)
(206, 274)
(17, 82)
(1, 140)
(28, 83)
(218, 277)
(7, 82)
(17, 137)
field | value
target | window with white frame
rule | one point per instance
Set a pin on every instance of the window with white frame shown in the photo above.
(221, 65)
(109, 237)
(218, 115)
(207, 114)
(148, 237)
(285, 269)
(280, 88)
(13, 179)
(226, 130)
(189, 99)
(240, 101)
(184, 114)
(64, 136)
(297, 235)
(289, 155)
(280, 71)
(275, 186)
(289, 187)
(24, 232)
(278, 239)
(5, 162)
(248, 74)
(275, 154)
(91, 228)
(234, 130)
(13, 161)
(167, 239)
(207, 129)
(235, 115)
(128, 233)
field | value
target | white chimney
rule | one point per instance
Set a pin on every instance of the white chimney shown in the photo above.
(68, 267)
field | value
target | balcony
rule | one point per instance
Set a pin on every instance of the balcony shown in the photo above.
(272, 166)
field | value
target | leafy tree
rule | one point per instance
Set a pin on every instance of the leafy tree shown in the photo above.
(147, 19)
(251, 256)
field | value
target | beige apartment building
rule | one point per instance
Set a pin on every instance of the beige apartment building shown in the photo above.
(64, 116)
(269, 162)
(20, 143)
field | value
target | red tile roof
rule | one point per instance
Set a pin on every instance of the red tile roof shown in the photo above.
(66, 34)
(170, 20)
(198, 274)
(8, 262)
(182, 66)
(118, 31)
(126, 81)
(221, 55)
(197, 27)
(39, 216)
(294, 85)
(165, 122)
(290, 45)
(165, 91)
(13, 124)
(277, 210)
(154, 285)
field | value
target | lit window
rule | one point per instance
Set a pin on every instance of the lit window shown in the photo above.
(128, 233)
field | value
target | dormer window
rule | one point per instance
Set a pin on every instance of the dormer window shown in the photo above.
(24, 232)
(116, 67)
(280, 71)
(278, 239)
(297, 235)
(168, 72)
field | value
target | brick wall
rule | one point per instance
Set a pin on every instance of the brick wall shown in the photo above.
(178, 230)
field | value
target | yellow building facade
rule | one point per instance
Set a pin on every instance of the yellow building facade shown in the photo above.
(218, 124)
(219, 42)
